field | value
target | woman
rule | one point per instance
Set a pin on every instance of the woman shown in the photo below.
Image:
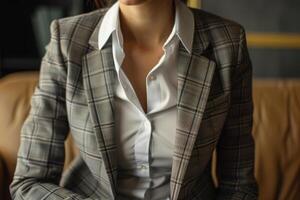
(148, 89)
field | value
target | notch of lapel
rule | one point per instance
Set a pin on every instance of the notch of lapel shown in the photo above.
(194, 76)
(99, 76)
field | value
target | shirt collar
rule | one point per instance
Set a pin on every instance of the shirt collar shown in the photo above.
(110, 23)
(183, 26)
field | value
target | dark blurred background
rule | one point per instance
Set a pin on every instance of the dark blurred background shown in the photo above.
(272, 28)
(25, 30)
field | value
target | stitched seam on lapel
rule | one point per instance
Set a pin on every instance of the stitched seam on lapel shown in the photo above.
(182, 156)
(97, 117)
(179, 99)
(112, 108)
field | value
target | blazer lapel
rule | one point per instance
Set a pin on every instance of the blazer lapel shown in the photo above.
(98, 78)
(194, 75)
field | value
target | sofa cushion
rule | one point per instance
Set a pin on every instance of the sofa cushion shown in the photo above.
(2, 179)
(16, 90)
(276, 132)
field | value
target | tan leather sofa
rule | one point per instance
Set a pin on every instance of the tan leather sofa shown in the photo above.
(276, 131)
(15, 95)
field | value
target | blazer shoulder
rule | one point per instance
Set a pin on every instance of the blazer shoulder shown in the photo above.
(221, 38)
(210, 20)
(73, 34)
(216, 27)
(79, 27)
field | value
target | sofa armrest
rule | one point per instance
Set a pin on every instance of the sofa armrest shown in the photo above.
(1, 178)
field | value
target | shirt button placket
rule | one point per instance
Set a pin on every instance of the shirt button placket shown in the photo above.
(145, 166)
(152, 92)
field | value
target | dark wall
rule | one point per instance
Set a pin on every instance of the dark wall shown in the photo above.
(265, 16)
(17, 32)
(25, 30)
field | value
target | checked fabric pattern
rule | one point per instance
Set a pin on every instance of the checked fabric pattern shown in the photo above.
(75, 93)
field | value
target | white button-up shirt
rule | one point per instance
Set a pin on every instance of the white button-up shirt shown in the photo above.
(145, 140)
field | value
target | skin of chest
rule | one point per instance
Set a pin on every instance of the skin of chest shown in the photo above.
(137, 63)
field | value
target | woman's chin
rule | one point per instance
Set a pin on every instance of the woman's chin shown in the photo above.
(132, 2)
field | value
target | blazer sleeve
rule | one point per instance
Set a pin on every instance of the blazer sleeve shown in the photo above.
(41, 153)
(235, 150)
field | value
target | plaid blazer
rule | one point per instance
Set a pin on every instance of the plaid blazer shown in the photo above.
(75, 93)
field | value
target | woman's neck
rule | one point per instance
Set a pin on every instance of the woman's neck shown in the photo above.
(148, 23)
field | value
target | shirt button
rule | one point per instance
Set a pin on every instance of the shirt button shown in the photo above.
(152, 77)
(147, 125)
(144, 166)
